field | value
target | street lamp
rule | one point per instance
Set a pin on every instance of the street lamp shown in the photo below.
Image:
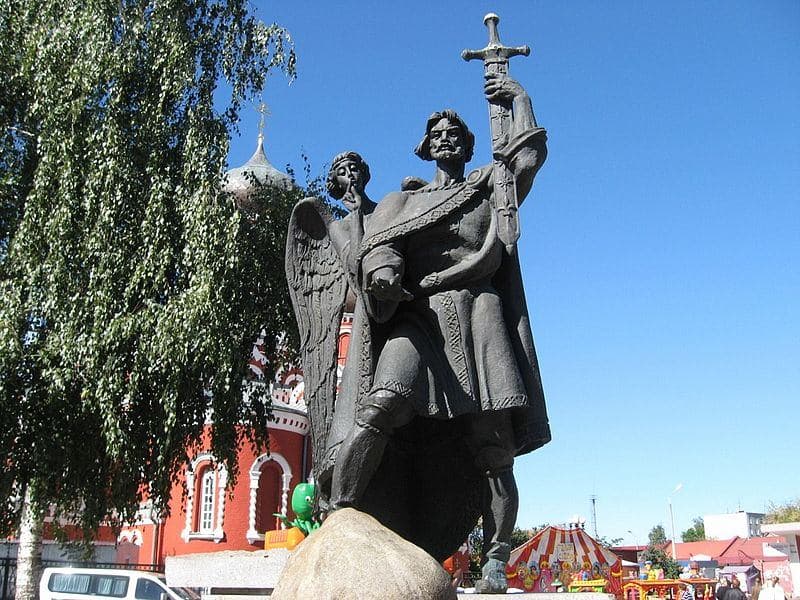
(672, 518)
(636, 543)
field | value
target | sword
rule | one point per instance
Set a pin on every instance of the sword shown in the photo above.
(495, 60)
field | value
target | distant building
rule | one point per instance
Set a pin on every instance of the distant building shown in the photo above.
(774, 555)
(204, 515)
(791, 535)
(741, 524)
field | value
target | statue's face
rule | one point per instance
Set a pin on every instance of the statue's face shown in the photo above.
(349, 176)
(447, 141)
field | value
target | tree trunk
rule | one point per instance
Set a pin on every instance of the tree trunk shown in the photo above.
(29, 555)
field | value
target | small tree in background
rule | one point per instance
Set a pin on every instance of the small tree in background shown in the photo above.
(695, 533)
(788, 512)
(655, 553)
(608, 542)
(657, 537)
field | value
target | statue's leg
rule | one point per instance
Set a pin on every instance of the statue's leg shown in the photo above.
(387, 407)
(493, 440)
(362, 450)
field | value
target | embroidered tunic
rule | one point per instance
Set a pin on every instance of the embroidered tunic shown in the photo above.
(449, 350)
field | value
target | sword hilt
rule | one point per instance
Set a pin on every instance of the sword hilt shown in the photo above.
(495, 51)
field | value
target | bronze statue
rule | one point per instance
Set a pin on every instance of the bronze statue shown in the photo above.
(441, 389)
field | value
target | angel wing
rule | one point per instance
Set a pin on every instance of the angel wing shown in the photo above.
(317, 287)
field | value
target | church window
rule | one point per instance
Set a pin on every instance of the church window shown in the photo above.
(205, 499)
(207, 502)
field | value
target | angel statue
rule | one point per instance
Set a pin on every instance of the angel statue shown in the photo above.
(321, 254)
(441, 389)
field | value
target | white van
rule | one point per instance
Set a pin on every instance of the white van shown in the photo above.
(77, 583)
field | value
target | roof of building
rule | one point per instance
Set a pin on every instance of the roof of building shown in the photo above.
(781, 528)
(733, 551)
(239, 181)
(746, 550)
(712, 548)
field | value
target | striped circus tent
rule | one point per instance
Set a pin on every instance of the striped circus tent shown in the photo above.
(557, 555)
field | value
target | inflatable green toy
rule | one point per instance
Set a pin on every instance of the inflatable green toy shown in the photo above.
(303, 507)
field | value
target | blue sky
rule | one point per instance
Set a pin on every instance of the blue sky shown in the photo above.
(660, 243)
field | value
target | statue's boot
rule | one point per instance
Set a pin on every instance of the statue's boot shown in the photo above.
(362, 450)
(498, 525)
(356, 462)
(494, 578)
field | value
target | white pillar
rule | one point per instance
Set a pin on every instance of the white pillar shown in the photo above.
(287, 479)
(252, 534)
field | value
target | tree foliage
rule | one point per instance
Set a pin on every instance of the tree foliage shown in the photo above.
(695, 533)
(130, 288)
(659, 558)
(788, 512)
(657, 536)
(608, 542)
(655, 553)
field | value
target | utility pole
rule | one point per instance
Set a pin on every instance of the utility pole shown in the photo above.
(672, 519)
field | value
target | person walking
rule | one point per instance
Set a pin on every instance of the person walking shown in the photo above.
(756, 591)
(722, 588)
(773, 591)
(735, 592)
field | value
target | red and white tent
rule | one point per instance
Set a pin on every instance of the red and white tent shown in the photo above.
(554, 555)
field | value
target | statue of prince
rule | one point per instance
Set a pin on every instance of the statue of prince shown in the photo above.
(441, 389)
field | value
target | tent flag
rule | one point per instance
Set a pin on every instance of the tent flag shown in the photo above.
(556, 555)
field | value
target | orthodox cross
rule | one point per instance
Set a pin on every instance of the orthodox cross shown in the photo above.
(263, 109)
(495, 61)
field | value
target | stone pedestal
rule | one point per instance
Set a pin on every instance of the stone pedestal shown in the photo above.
(353, 556)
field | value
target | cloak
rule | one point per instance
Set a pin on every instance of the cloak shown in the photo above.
(427, 488)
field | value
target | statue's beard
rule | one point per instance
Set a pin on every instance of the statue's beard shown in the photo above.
(447, 154)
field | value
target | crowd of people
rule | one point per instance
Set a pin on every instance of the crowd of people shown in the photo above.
(731, 589)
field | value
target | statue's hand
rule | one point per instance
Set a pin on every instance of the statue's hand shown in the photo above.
(429, 281)
(387, 285)
(501, 89)
(352, 198)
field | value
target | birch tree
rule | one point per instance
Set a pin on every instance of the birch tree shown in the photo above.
(131, 289)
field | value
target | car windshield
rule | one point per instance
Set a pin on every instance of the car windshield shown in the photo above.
(183, 592)
(186, 593)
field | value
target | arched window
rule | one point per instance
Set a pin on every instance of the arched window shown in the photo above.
(268, 498)
(206, 513)
(270, 481)
(205, 499)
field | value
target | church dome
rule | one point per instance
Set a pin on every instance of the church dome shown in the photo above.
(239, 181)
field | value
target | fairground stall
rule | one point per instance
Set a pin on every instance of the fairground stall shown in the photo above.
(557, 560)
(668, 589)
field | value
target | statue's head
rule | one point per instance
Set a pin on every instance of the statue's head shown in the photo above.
(437, 144)
(347, 170)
